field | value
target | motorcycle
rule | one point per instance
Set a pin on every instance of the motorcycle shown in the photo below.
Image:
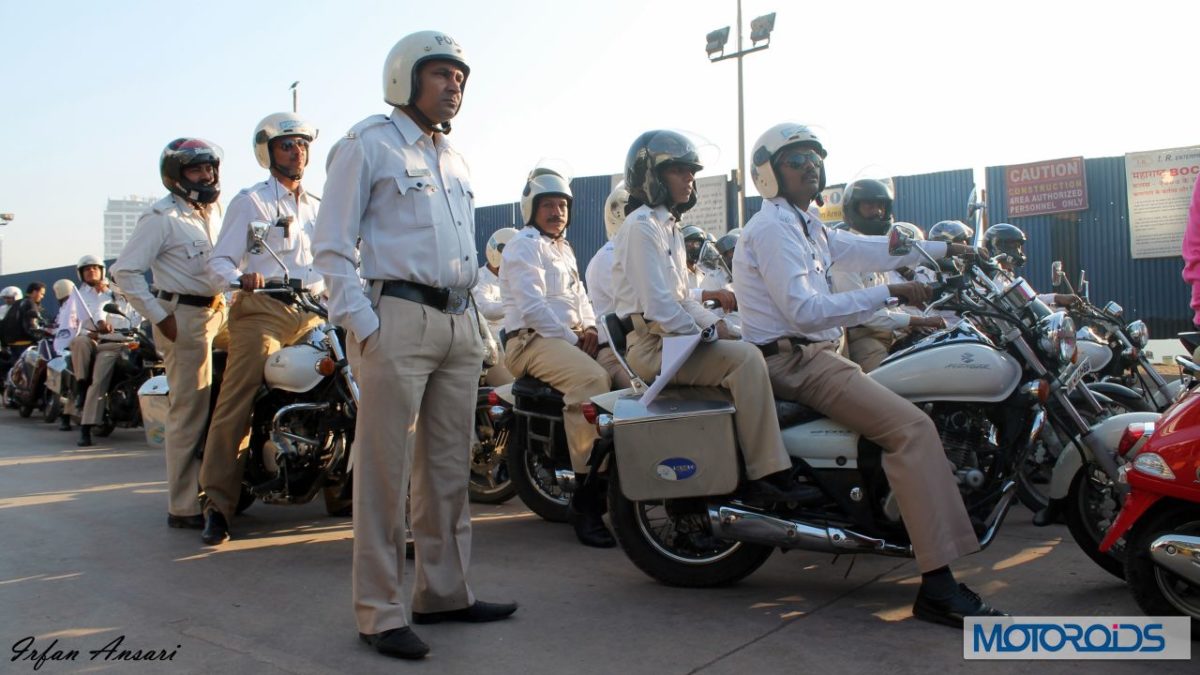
(137, 362)
(1160, 519)
(25, 381)
(985, 383)
(490, 482)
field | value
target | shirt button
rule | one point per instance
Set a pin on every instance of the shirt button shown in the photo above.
(458, 222)
(465, 258)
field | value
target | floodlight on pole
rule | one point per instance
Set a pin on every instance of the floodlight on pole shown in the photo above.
(760, 31)
(295, 94)
(6, 218)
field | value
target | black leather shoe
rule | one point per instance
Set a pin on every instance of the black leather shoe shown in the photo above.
(952, 610)
(590, 529)
(216, 529)
(185, 522)
(64, 422)
(400, 643)
(85, 436)
(480, 612)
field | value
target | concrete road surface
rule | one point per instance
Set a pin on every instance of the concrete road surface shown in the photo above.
(88, 564)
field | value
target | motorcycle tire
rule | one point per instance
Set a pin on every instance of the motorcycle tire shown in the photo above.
(25, 410)
(51, 407)
(245, 499)
(1157, 591)
(672, 562)
(104, 429)
(1087, 527)
(539, 492)
(489, 482)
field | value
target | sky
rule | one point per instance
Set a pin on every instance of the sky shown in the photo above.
(91, 92)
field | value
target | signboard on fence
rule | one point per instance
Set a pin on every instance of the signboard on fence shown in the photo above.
(1052, 186)
(1159, 185)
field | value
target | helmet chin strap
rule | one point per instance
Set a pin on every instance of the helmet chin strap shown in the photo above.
(283, 171)
(423, 119)
(555, 237)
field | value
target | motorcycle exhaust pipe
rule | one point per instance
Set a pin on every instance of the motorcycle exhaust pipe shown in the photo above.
(739, 524)
(1178, 553)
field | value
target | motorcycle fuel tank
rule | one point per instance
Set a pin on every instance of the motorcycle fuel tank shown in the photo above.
(1091, 346)
(294, 368)
(956, 371)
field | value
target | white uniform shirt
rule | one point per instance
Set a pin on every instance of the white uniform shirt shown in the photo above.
(884, 319)
(408, 197)
(781, 278)
(599, 278)
(173, 241)
(539, 281)
(84, 308)
(487, 297)
(650, 273)
(268, 201)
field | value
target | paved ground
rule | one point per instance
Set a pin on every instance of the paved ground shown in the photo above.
(86, 558)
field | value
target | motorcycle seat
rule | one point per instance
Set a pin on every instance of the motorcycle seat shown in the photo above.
(531, 387)
(791, 413)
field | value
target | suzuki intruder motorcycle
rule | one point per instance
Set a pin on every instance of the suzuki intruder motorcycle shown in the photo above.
(986, 383)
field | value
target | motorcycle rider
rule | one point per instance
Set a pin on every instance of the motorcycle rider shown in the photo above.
(650, 275)
(600, 284)
(23, 323)
(705, 284)
(173, 240)
(490, 301)
(790, 314)
(1008, 243)
(259, 323)
(63, 288)
(11, 295)
(725, 246)
(92, 356)
(867, 205)
(415, 350)
(550, 332)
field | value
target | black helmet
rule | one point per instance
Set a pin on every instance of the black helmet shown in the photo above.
(1006, 239)
(694, 239)
(184, 152)
(951, 232)
(648, 156)
(867, 190)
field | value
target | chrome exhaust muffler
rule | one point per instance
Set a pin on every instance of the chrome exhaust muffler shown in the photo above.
(1178, 553)
(740, 524)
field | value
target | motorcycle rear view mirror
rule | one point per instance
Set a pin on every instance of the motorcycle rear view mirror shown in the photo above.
(900, 240)
(111, 308)
(258, 236)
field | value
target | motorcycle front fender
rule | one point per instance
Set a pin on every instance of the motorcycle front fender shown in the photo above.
(1120, 394)
(1106, 434)
(1135, 506)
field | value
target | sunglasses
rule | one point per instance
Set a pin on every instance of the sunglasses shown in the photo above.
(289, 144)
(797, 160)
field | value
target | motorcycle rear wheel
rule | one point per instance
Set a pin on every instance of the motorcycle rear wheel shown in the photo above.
(536, 485)
(671, 542)
(1091, 507)
(104, 429)
(51, 407)
(1158, 591)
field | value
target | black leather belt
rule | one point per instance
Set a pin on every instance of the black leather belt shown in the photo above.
(210, 301)
(772, 348)
(448, 300)
(508, 336)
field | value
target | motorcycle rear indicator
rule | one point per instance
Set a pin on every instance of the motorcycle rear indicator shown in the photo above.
(1134, 433)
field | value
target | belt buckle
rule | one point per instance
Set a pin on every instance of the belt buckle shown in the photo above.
(456, 301)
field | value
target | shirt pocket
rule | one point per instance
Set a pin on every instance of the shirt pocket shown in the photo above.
(558, 281)
(416, 200)
(283, 239)
(467, 194)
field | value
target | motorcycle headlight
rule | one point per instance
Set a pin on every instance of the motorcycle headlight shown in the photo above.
(1139, 334)
(1058, 337)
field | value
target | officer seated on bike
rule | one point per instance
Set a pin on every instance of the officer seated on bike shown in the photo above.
(550, 331)
(1008, 243)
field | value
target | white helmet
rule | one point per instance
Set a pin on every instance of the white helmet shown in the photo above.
(88, 261)
(63, 289)
(405, 59)
(614, 209)
(279, 124)
(495, 245)
(543, 181)
(767, 147)
(12, 292)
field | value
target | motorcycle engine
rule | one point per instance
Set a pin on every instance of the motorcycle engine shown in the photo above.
(968, 438)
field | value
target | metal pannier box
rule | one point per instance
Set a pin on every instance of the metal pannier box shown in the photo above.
(152, 398)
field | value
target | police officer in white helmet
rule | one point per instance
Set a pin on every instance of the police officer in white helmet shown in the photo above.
(11, 296)
(398, 194)
(489, 300)
(259, 323)
(600, 283)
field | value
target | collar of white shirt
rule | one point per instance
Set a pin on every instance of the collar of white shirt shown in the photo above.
(409, 130)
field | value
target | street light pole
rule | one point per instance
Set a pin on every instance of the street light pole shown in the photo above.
(760, 28)
(295, 96)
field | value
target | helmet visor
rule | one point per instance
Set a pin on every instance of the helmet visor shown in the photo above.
(195, 151)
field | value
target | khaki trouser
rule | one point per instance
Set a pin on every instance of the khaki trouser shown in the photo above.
(258, 327)
(607, 359)
(188, 362)
(417, 378)
(913, 458)
(565, 367)
(735, 366)
(96, 360)
(497, 376)
(868, 347)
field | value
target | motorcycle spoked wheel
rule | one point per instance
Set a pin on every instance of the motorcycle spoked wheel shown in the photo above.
(1160, 592)
(536, 485)
(105, 428)
(1091, 508)
(490, 482)
(25, 410)
(52, 406)
(671, 541)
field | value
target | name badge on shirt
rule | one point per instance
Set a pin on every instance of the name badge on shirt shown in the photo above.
(414, 173)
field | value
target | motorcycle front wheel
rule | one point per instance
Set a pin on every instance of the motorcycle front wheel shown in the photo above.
(1159, 591)
(1091, 507)
(672, 542)
(51, 406)
(534, 480)
(490, 482)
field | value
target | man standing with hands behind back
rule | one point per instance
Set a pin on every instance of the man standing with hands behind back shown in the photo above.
(400, 197)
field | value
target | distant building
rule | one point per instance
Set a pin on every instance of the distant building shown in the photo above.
(119, 220)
